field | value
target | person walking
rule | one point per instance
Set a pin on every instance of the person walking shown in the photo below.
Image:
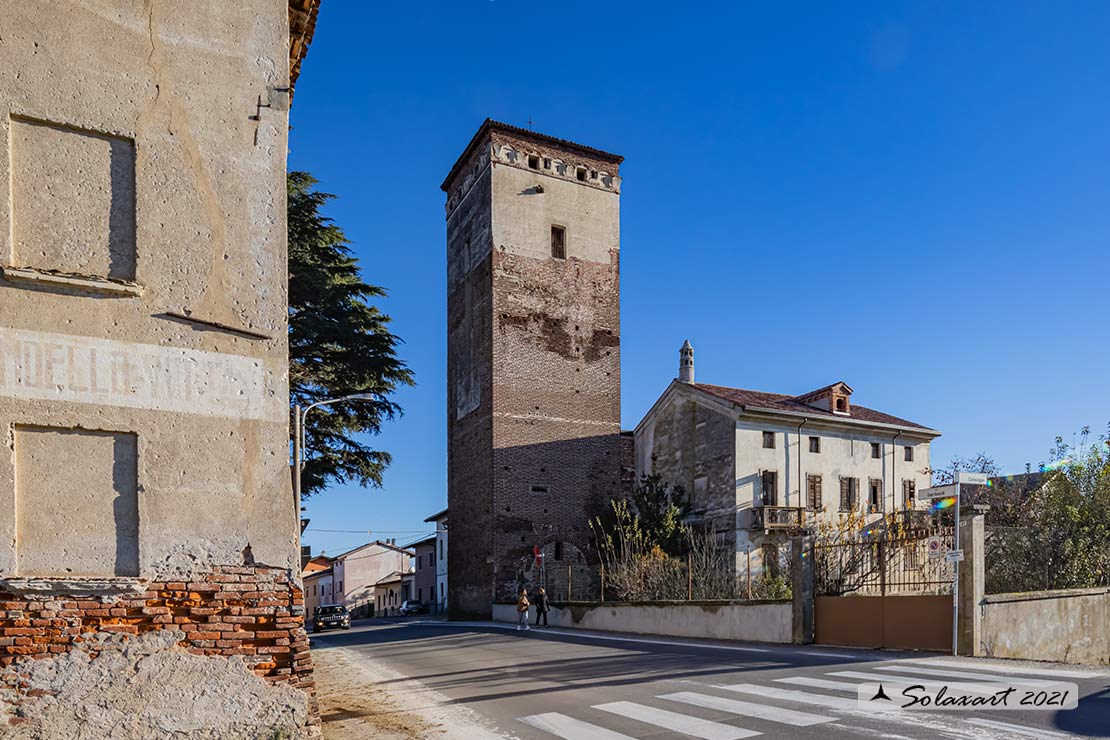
(541, 607)
(522, 610)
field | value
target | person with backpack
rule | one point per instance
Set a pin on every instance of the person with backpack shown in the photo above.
(541, 607)
(522, 610)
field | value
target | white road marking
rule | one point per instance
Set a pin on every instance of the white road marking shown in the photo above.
(964, 674)
(772, 692)
(821, 683)
(1001, 668)
(971, 688)
(748, 709)
(570, 728)
(1018, 729)
(684, 723)
(832, 655)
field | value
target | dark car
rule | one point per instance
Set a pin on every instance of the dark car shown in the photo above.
(413, 607)
(330, 616)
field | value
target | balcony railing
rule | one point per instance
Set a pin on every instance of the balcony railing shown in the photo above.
(778, 517)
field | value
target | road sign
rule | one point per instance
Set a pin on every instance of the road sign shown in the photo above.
(935, 550)
(971, 479)
(948, 491)
(954, 556)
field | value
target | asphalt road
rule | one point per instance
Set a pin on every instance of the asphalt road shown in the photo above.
(595, 686)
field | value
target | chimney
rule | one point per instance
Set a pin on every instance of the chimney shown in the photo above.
(686, 363)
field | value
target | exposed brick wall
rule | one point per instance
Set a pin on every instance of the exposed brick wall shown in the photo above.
(255, 612)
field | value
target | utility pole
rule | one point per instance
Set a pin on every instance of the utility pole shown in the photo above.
(299, 416)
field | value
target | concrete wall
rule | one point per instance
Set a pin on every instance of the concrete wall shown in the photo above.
(143, 358)
(749, 621)
(1069, 626)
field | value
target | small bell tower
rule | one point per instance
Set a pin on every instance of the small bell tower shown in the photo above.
(686, 363)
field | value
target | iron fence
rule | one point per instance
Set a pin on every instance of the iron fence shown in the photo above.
(885, 564)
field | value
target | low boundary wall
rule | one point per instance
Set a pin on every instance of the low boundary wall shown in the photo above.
(1068, 626)
(754, 621)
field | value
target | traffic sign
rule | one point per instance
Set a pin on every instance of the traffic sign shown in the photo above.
(954, 556)
(948, 491)
(934, 548)
(971, 479)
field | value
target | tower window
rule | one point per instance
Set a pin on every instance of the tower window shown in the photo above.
(558, 242)
(533, 161)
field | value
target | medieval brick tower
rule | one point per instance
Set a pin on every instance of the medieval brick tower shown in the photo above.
(533, 360)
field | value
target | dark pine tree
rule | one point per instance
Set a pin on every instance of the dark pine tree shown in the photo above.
(339, 344)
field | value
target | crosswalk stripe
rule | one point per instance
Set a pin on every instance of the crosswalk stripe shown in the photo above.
(821, 683)
(684, 723)
(772, 692)
(748, 709)
(965, 674)
(969, 687)
(998, 668)
(570, 728)
(1018, 729)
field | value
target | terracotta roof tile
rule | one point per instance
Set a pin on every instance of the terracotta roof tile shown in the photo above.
(782, 402)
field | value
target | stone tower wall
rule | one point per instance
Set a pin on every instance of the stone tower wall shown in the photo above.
(548, 422)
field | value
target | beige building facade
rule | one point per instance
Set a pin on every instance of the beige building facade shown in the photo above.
(762, 467)
(145, 497)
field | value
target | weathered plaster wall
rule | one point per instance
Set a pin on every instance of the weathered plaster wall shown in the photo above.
(143, 362)
(750, 621)
(1069, 626)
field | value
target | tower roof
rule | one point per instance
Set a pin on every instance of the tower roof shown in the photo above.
(491, 125)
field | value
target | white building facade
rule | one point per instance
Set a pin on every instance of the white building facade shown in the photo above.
(440, 601)
(763, 467)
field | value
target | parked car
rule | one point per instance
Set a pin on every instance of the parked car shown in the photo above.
(413, 607)
(329, 616)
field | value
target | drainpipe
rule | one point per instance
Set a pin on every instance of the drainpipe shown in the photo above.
(801, 491)
(893, 469)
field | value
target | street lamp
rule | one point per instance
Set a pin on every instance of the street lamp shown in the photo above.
(299, 435)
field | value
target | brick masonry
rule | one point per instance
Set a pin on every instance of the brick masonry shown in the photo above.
(534, 447)
(254, 612)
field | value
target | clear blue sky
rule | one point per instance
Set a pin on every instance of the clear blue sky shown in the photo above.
(910, 197)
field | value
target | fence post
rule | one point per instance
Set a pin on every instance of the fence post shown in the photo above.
(689, 576)
(883, 554)
(570, 581)
(972, 582)
(802, 591)
(748, 548)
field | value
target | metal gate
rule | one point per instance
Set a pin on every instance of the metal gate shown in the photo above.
(884, 591)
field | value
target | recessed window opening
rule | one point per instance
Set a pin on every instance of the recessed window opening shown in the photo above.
(558, 242)
(875, 450)
(909, 454)
(814, 444)
(768, 440)
(533, 161)
(841, 404)
(581, 172)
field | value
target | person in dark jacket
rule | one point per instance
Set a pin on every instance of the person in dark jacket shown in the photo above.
(540, 601)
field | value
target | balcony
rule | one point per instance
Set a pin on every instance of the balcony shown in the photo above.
(778, 518)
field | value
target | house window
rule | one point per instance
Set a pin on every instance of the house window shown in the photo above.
(581, 174)
(770, 488)
(849, 494)
(768, 440)
(813, 492)
(909, 454)
(441, 590)
(875, 494)
(547, 163)
(814, 444)
(909, 493)
(558, 242)
(533, 161)
(876, 450)
(441, 549)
